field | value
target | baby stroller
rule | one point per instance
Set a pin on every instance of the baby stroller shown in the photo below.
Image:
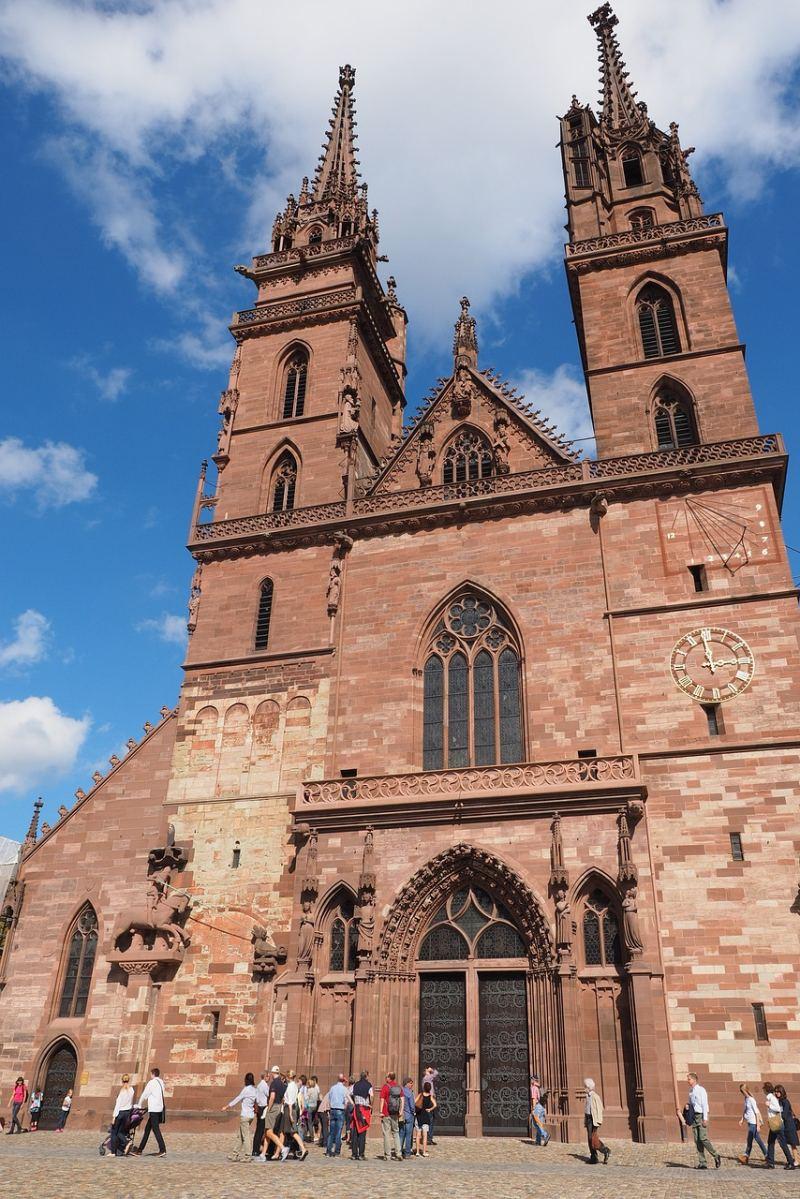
(135, 1117)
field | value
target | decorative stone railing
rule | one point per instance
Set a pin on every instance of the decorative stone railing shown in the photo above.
(575, 474)
(303, 253)
(633, 237)
(338, 297)
(475, 780)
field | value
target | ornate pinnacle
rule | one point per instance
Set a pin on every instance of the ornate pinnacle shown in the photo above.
(465, 340)
(618, 107)
(33, 827)
(347, 76)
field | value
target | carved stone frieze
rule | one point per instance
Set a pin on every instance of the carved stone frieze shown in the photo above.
(655, 233)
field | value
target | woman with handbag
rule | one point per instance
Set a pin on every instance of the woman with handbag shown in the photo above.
(776, 1133)
(789, 1122)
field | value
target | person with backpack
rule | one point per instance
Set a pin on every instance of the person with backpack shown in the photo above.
(392, 1103)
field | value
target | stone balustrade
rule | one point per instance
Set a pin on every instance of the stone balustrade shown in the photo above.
(635, 237)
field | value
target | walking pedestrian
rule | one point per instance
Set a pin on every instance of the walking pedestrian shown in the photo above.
(593, 1118)
(789, 1121)
(66, 1107)
(324, 1116)
(35, 1107)
(338, 1100)
(751, 1116)
(243, 1149)
(538, 1112)
(119, 1120)
(424, 1105)
(431, 1075)
(154, 1098)
(391, 1107)
(19, 1097)
(776, 1129)
(273, 1117)
(407, 1123)
(261, 1105)
(695, 1117)
(362, 1116)
(290, 1120)
(312, 1107)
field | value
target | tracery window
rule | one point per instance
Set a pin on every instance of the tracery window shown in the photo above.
(344, 938)
(657, 325)
(468, 456)
(472, 702)
(673, 420)
(284, 483)
(471, 924)
(641, 219)
(294, 388)
(601, 939)
(632, 171)
(81, 952)
(315, 236)
(264, 614)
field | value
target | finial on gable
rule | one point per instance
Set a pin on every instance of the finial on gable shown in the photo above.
(465, 340)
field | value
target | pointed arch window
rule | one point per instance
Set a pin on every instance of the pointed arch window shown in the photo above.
(343, 957)
(315, 236)
(468, 456)
(601, 939)
(294, 387)
(632, 170)
(284, 483)
(673, 420)
(471, 923)
(264, 614)
(81, 952)
(472, 692)
(642, 219)
(655, 312)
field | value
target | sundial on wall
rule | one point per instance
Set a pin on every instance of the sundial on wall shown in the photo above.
(722, 531)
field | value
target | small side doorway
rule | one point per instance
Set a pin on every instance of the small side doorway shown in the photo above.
(62, 1066)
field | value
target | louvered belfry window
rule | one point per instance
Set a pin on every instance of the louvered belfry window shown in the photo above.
(264, 614)
(657, 324)
(673, 421)
(294, 390)
(472, 701)
(284, 483)
(468, 456)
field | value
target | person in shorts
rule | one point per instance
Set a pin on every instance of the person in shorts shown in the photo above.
(424, 1105)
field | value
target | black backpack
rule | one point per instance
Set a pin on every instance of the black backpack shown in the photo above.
(395, 1100)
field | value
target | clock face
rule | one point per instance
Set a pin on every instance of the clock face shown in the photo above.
(712, 665)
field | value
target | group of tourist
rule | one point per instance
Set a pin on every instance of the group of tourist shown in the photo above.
(283, 1113)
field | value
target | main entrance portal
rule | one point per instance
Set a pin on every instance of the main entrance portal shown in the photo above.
(443, 1044)
(504, 1055)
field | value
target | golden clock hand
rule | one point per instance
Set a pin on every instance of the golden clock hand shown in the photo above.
(709, 663)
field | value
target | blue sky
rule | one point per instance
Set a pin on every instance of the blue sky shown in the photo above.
(146, 148)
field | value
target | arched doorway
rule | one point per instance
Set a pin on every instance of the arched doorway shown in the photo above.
(473, 1004)
(59, 1075)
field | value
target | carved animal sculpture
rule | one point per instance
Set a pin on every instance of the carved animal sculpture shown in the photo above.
(159, 919)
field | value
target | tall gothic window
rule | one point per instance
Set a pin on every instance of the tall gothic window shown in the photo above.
(632, 171)
(471, 924)
(641, 219)
(264, 614)
(601, 939)
(472, 703)
(81, 952)
(657, 324)
(284, 483)
(294, 387)
(673, 420)
(468, 456)
(343, 938)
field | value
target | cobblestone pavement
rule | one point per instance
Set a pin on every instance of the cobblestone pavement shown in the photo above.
(49, 1166)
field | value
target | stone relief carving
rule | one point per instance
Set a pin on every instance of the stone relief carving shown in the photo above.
(267, 956)
(194, 598)
(630, 922)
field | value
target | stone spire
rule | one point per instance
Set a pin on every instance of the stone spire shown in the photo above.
(465, 340)
(33, 827)
(337, 173)
(619, 109)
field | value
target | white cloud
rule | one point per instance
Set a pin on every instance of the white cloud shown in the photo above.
(459, 152)
(561, 397)
(30, 640)
(55, 472)
(168, 627)
(37, 741)
(110, 383)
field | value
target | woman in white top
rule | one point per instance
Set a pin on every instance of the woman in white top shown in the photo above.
(751, 1116)
(244, 1140)
(290, 1119)
(122, 1111)
(776, 1133)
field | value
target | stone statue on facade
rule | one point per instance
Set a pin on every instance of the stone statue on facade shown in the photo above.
(630, 922)
(426, 455)
(564, 924)
(305, 941)
(267, 956)
(349, 414)
(500, 446)
(334, 590)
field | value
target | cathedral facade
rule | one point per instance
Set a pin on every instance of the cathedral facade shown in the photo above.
(486, 753)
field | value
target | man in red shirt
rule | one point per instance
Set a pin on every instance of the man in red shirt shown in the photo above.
(391, 1107)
